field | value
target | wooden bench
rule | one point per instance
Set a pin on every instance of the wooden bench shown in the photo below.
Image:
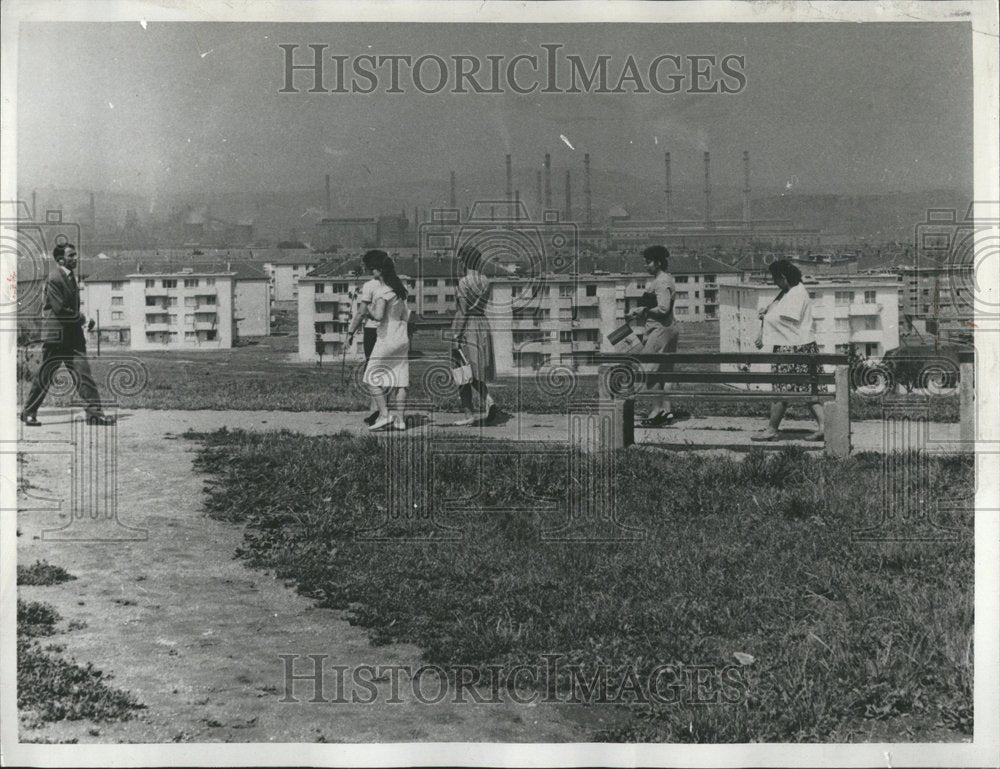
(621, 379)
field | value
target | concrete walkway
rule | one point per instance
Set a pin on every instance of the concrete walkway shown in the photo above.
(717, 434)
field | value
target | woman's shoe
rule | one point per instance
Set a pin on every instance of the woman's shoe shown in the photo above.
(399, 424)
(465, 421)
(816, 436)
(371, 418)
(765, 435)
(657, 420)
(381, 424)
(494, 413)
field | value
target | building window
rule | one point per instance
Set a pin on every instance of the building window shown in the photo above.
(430, 298)
(681, 310)
(320, 288)
(151, 301)
(169, 283)
(565, 336)
(844, 297)
(210, 335)
(411, 299)
(171, 301)
(209, 281)
(190, 283)
(682, 295)
(640, 285)
(697, 310)
(869, 297)
(117, 285)
(843, 349)
(117, 315)
(190, 301)
(209, 300)
(451, 282)
(566, 291)
(841, 324)
(710, 279)
(697, 294)
(449, 297)
(681, 279)
(430, 282)
(871, 349)
(591, 290)
(117, 301)
(870, 322)
(150, 283)
(190, 334)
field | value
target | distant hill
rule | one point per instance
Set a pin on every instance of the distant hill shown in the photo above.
(843, 219)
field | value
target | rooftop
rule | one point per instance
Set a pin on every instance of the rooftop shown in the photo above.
(106, 271)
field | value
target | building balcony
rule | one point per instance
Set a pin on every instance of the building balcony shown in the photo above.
(868, 335)
(333, 337)
(204, 325)
(158, 291)
(210, 291)
(859, 308)
(159, 327)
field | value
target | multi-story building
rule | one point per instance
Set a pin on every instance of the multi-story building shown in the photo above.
(859, 312)
(154, 305)
(284, 267)
(938, 300)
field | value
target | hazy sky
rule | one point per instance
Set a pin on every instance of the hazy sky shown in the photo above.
(194, 108)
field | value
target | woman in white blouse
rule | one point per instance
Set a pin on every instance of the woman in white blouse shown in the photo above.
(787, 326)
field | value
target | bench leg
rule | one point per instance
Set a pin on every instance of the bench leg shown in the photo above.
(837, 417)
(967, 405)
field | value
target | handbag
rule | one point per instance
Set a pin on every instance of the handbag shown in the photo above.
(462, 373)
(623, 339)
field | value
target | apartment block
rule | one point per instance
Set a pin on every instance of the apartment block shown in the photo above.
(860, 312)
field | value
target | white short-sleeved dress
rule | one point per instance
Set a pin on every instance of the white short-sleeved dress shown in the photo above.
(389, 364)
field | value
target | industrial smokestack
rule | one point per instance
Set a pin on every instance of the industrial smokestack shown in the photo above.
(34, 205)
(517, 204)
(708, 194)
(329, 213)
(548, 182)
(666, 188)
(538, 180)
(510, 178)
(453, 200)
(586, 188)
(93, 215)
(746, 188)
(569, 198)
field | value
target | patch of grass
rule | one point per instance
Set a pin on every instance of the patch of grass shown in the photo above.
(754, 557)
(50, 688)
(42, 573)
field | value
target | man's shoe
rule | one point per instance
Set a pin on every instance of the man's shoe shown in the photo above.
(371, 418)
(100, 420)
(30, 420)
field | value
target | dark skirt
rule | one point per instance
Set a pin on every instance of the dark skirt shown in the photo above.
(795, 368)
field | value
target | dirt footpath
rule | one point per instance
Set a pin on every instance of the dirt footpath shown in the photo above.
(196, 636)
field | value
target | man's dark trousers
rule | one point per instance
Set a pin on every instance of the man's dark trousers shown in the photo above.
(71, 353)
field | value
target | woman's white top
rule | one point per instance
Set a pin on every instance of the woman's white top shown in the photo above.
(789, 320)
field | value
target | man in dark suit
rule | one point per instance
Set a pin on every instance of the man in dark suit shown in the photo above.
(63, 341)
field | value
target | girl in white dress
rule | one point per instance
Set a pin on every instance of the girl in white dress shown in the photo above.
(388, 370)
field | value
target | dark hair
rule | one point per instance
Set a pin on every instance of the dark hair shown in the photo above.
(658, 255)
(391, 279)
(60, 250)
(470, 257)
(374, 259)
(785, 269)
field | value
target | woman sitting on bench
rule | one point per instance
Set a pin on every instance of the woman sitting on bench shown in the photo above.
(787, 327)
